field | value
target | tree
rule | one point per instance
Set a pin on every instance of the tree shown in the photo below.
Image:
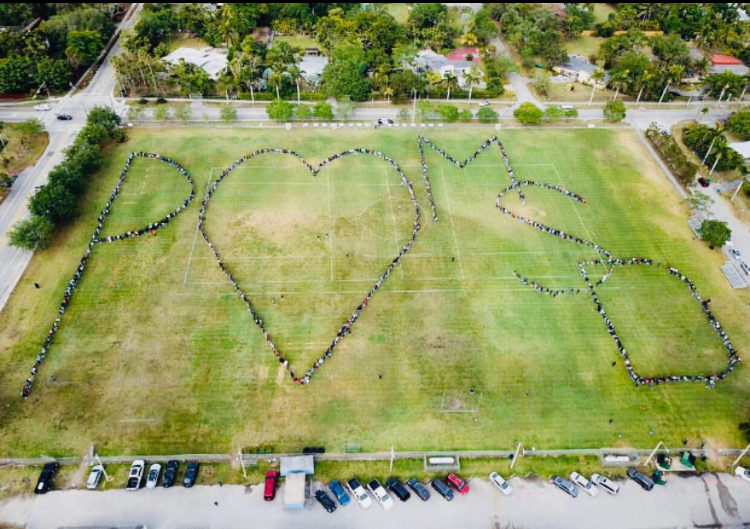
(465, 115)
(473, 76)
(483, 27)
(425, 16)
(404, 83)
(576, 20)
(541, 83)
(161, 113)
(32, 234)
(53, 202)
(345, 74)
(448, 112)
(715, 232)
(303, 112)
(699, 202)
(619, 80)
(725, 84)
(83, 47)
(487, 115)
(228, 113)
(614, 111)
(106, 117)
(280, 110)
(739, 123)
(323, 111)
(469, 39)
(183, 113)
(528, 114)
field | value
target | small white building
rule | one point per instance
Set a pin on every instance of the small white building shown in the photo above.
(742, 147)
(429, 61)
(579, 68)
(312, 67)
(213, 61)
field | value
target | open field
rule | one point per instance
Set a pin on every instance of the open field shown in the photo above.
(586, 45)
(157, 354)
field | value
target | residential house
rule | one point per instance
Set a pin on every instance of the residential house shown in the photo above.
(429, 61)
(579, 68)
(213, 61)
(312, 67)
(725, 63)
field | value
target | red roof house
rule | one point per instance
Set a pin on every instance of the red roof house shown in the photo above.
(724, 60)
(461, 53)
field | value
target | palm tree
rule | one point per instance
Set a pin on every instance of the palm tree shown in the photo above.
(296, 75)
(474, 75)
(433, 77)
(675, 74)
(619, 80)
(275, 79)
(387, 92)
(469, 39)
(450, 81)
(642, 82)
(596, 77)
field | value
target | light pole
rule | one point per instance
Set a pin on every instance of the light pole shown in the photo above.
(703, 161)
(742, 183)
(414, 107)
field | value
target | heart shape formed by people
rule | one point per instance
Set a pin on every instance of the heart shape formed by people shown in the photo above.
(314, 170)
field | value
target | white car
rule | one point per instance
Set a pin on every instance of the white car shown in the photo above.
(585, 484)
(607, 484)
(43, 107)
(484, 103)
(95, 477)
(153, 476)
(497, 480)
(359, 493)
(135, 477)
(380, 494)
(742, 472)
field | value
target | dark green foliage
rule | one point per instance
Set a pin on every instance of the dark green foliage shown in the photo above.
(528, 114)
(487, 115)
(323, 111)
(739, 123)
(280, 110)
(404, 82)
(32, 233)
(448, 112)
(715, 232)
(699, 138)
(614, 111)
(345, 75)
(671, 152)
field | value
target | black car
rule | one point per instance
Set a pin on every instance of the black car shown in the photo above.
(398, 489)
(443, 489)
(419, 489)
(191, 474)
(170, 473)
(643, 480)
(64, 117)
(325, 500)
(46, 478)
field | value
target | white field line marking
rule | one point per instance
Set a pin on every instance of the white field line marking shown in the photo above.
(374, 256)
(476, 278)
(399, 291)
(393, 223)
(453, 227)
(195, 236)
(575, 206)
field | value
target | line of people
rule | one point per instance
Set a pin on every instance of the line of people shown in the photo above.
(101, 220)
(345, 329)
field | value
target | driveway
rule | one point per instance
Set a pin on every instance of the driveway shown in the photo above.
(711, 500)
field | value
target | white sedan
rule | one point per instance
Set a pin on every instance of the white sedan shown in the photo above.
(500, 482)
(359, 493)
(95, 477)
(153, 476)
(585, 484)
(43, 107)
(380, 494)
(742, 472)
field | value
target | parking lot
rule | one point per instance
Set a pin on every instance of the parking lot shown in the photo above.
(711, 500)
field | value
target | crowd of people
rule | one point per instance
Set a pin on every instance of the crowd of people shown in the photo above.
(606, 260)
(345, 329)
(101, 220)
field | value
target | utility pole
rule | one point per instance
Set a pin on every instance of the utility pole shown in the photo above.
(661, 443)
(393, 456)
(414, 107)
(742, 183)
(664, 92)
(718, 157)
(106, 476)
(515, 456)
(703, 161)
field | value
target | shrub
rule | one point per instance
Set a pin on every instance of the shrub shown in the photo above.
(739, 123)
(487, 115)
(614, 111)
(323, 111)
(528, 114)
(465, 115)
(303, 112)
(279, 110)
(228, 113)
(448, 112)
(160, 101)
(683, 168)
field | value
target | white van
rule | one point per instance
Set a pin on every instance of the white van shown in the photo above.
(607, 484)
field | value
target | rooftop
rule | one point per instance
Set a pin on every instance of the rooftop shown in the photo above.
(211, 60)
(723, 60)
(461, 53)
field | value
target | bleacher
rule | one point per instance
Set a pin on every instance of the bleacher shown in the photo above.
(735, 275)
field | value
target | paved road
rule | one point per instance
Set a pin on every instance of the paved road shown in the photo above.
(712, 500)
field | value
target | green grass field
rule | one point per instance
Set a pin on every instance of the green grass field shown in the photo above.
(157, 354)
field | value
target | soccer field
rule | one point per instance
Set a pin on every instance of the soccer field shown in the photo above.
(157, 352)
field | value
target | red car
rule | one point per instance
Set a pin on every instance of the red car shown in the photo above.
(272, 478)
(461, 486)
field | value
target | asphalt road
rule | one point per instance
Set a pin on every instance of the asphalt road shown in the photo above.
(711, 500)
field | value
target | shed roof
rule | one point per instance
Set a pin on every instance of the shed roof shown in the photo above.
(294, 491)
(723, 60)
(297, 464)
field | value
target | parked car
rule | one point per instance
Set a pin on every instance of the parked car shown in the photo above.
(380, 494)
(608, 485)
(43, 107)
(170, 473)
(325, 500)
(95, 477)
(497, 480)
(419, 489)
(484, 103)
(153, 476)
(703, 182)
(742, 472)
(385, 121)
(135, 477)
(565, 485)
(269, 493)
(587, 486)
(398, 489)
(643, 480)
(359, 493)
(47, 478)
(64, 117)
(339, 493)
(461, 486)
(442, 488)
(191, 474)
